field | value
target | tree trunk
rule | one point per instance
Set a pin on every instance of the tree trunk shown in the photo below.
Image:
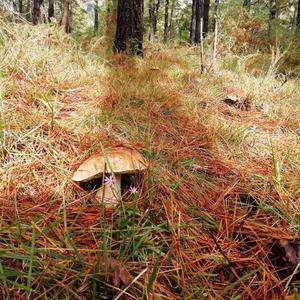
(166, 26)
(197, 15)
(21, 6)
(206, 17)
(96, 17)
(193, 23)
(171, 17)
(130, 27)
(28, 11)
(216, 27)
(151, 19)
(36, 12)
(111, 21)
(67, 15)
(156, 14)
(153, 16)
(50, 10)
(15, 7)
(298, 15)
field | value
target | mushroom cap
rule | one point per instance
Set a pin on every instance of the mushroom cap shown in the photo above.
(122, 160)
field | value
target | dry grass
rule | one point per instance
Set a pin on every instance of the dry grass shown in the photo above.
(222, 188)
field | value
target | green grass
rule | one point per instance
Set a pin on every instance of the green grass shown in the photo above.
(61, 102)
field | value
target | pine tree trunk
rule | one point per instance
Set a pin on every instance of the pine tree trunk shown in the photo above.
(171, 18)
(152, 20)
(21, 6)
(216, 28)
(193, 23)
(67, 15)
(50, 10)
(157, 6)
(166, 26)
(130, 27)
(36, 12)
(28, 11)
(14, 12)
(111, 22)
(206, 17)
(153, 16)
(197, 14)
(96, 17)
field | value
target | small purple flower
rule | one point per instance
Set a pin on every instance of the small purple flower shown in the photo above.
(109, 180)
(133, 190)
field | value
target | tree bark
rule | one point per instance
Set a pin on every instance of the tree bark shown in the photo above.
(96, 17)
(153, 16)
(50, 10)
(216, 27)
(36, 12)
(21, 6)
(111, 23)
(166, 25)
(67, 15)
(151, 20)
(206, 7)
(197, 15)
(156, 13)
(130, 27)
(28, 11)
(171, 18)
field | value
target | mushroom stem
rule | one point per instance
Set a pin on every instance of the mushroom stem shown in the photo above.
(110, 195)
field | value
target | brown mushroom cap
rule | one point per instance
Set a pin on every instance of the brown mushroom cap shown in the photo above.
(122, 160)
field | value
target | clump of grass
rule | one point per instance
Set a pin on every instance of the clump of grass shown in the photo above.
(192, 231)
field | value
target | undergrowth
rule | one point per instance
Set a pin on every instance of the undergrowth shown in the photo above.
(221, 189)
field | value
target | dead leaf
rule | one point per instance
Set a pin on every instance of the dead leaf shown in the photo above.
(290, 251)
(241, 104)
(118, 273)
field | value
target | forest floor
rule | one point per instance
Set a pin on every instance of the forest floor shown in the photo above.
(217, 214)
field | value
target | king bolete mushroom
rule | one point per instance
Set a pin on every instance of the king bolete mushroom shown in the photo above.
(115, 162)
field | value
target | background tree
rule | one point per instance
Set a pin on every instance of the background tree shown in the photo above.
(153, 17)
(20, 4)
(171, 18)
(110, 24)
(36, 12)
(206, 17)
(197, 15)
(216, 28)
(96, 17)
(27, 11)
(67, 15)
(130, 27)
(166, 24)
(50, 10)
